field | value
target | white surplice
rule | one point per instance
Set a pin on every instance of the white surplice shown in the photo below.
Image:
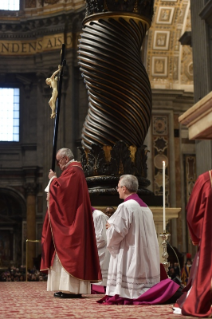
(100, 220)
(60, 280)
(132, 241)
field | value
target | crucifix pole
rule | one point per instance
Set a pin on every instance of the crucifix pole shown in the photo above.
(62, 64)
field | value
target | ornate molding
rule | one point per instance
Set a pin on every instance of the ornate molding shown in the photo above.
(30, 4)
(142, 8)
(41, 2)
(29, 31)
(50, 1)
(33, 27)
(30, 175)
(117, 160)
(198, 119)
(11, 13)
(103, 166)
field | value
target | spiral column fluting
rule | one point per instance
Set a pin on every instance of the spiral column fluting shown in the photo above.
(118, 87)
(119, 93)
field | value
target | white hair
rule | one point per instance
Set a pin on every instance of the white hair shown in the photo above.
(66, 152)
(130, 182)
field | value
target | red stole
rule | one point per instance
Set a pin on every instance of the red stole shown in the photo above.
(68, 228)
(199, 219)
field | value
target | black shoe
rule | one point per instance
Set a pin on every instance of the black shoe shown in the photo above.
(58, 294)
(63, 295)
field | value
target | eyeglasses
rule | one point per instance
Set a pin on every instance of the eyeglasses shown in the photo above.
(117, 187)
(58, 161)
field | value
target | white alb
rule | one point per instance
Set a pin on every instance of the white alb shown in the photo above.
(132, 241)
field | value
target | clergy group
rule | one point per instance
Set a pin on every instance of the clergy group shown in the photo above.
(85, 251)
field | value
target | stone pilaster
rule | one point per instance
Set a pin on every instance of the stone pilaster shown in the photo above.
(30, 189)
(202, 45)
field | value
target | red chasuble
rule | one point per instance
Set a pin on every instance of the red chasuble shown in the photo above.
(68, 228)
(199, 219)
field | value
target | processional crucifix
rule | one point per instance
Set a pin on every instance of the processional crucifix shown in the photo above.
(55, 82)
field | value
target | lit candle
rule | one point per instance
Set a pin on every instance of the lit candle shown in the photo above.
(164, 199)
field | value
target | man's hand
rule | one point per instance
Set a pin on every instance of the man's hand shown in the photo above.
(107, 225)
(51, 174)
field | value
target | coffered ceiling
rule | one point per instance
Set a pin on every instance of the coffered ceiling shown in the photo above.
(168, 63)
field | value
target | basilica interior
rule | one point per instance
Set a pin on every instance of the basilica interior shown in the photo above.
(176, 53)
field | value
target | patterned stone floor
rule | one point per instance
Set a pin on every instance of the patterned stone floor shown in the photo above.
(23, 300)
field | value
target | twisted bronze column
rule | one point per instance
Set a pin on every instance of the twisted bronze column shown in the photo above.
(118, 87)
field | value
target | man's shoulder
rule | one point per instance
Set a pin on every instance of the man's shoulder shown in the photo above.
(132, 204)
(73, 166)
(72, 173)
(99, 214)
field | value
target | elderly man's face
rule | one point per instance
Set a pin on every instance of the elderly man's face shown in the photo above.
(61, 160)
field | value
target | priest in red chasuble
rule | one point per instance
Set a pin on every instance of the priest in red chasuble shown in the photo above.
(197, 298)
(69, 250)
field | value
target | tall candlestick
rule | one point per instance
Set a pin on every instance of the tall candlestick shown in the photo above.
(164, 199)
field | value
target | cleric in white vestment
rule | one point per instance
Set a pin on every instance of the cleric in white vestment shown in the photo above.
(100, 220)
(132, 241)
